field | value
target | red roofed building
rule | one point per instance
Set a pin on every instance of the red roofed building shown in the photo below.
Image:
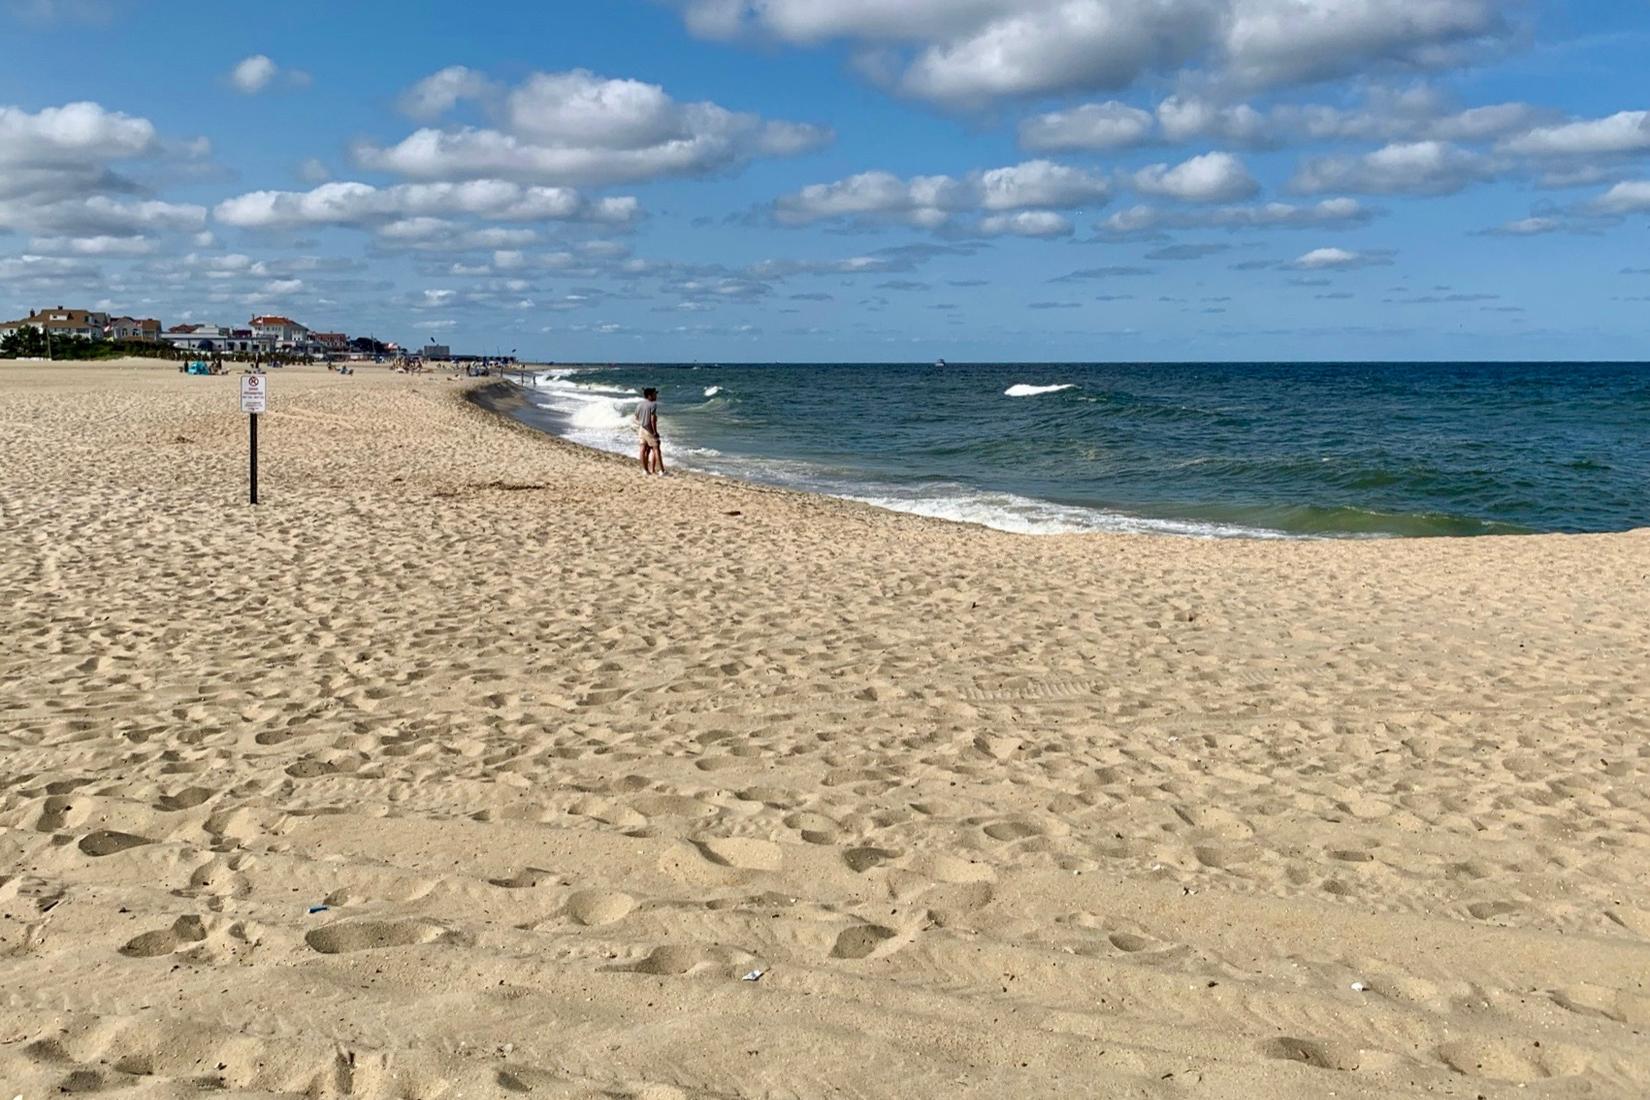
(286, 332)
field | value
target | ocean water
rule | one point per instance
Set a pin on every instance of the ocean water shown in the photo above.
(1252, 450)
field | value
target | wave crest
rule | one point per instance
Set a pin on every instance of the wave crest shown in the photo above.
(1025, 390)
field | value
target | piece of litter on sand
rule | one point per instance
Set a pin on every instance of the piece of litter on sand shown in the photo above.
(317, 908)
(1358, 987)
(753, 976)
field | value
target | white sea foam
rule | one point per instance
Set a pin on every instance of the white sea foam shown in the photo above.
(1027, 516)
(1025, 390)
(712, 391)
(591, 413)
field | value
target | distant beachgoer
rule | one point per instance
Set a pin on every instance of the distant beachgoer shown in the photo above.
(647, 426)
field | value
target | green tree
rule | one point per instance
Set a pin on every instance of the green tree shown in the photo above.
(26, 342)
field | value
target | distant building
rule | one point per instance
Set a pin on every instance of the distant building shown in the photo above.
(330, 341)
(436, 351)
(62, 322)
(216, 338)
(286, 332)
(132, 328)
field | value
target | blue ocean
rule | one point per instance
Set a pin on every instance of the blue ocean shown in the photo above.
(1237, 450)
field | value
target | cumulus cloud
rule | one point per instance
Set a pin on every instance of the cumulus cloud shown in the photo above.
(1109, 125)
(1144, 220)
(577, 128)
(1026, 223)
(1212, 177)
(1526, 227)
(1018, 199)
(1625, 132)
(1627, 197)
(74, 134)
(94, 246)
(363, 205)
(969, 51)
(254, 74)
(1416, 113)
(56, 177)
(1404, 168)
(1339, 259)
(441, 91)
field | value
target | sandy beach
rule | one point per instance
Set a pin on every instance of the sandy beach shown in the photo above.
(472, 764)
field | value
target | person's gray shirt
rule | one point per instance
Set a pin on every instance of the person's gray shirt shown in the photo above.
(645, 412)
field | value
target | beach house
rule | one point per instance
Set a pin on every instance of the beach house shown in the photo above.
(217, 338)
(62, 322)
(287, 333)
(133, 328)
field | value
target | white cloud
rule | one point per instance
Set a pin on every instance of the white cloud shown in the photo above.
(32, 270)
(1340, 259)
(1413, 114)
(94, 246)
(256, 73)
(99, 215)
(440, 92)
(966, 51)
(1270, 42)
(1625, 132)
(76, 133)
(253, 74)
(1405, 168)
(933, 202)
(1026, 223)
(576, 128)
(1212, 177)
(1184, 118)
(1140, 220)
(361, 204)
(1627, 197)
(313, 170)
(56, 180)
(1109, 125)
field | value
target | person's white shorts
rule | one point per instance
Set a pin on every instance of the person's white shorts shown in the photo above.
(648, 438)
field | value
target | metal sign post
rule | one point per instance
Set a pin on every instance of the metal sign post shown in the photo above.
(254, 400)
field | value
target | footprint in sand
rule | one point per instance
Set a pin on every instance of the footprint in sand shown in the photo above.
(672, 960)
(1488, 910)
(186, 799)
(526, 879)
(745, 853)
(860, 860)
(1504, 1060)
(860, 940)
(367, 935)
(106, 842)
(1011, 830)
(1318, 1054)
(1132, 943)
(184, 930)
(597, 907)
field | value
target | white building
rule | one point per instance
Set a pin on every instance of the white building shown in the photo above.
(217, 339)
(286, 332)
(62, 322)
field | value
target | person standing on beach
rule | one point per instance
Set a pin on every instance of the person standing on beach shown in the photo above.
(647, 426)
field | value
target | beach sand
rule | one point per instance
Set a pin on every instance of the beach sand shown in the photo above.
(565, 752)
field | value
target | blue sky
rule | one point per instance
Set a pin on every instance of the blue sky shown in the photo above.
(844, 180)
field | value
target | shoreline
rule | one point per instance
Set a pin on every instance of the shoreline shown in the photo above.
(1122, 523)
(473, 761)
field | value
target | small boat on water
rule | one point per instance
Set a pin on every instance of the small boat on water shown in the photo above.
(939, 362)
